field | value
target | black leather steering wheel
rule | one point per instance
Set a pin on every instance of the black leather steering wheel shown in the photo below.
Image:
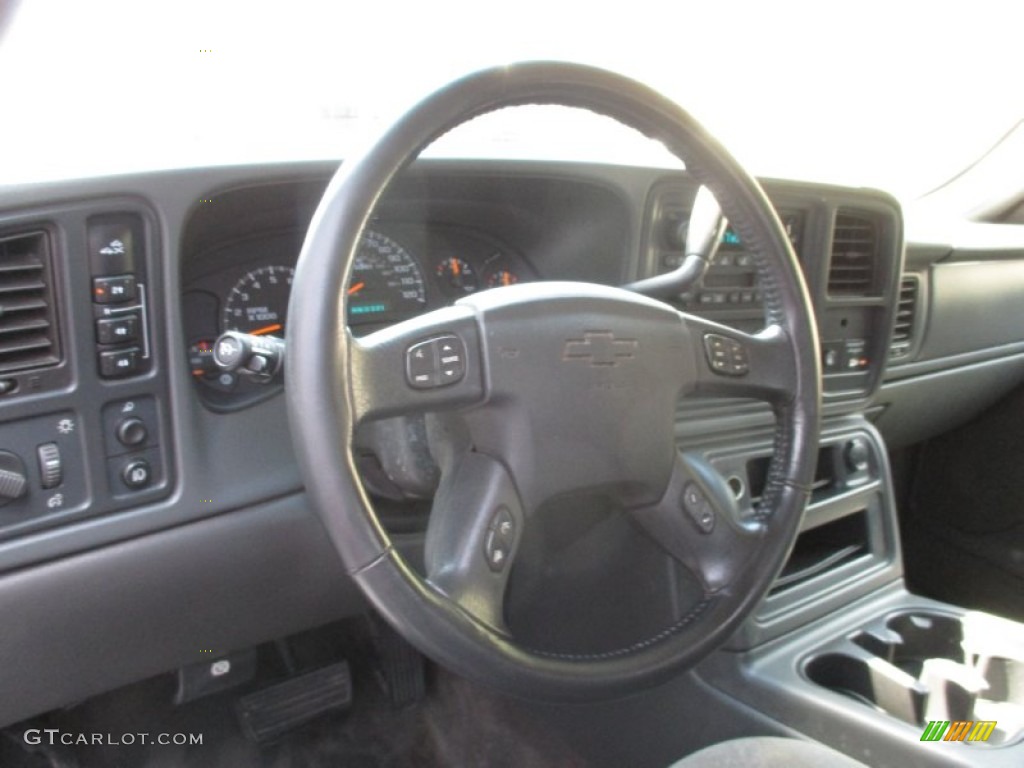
(544, 390)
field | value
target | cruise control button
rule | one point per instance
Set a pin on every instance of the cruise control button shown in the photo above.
(500, 539)
(698, 507)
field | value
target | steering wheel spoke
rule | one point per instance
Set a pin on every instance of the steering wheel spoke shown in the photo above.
(429, 363)
(698, 522)
(735, 364)
(476, 525)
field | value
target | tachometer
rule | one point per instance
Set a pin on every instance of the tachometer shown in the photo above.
(387, 283)
(258, 302)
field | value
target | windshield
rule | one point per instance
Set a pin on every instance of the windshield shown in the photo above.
(894, 96)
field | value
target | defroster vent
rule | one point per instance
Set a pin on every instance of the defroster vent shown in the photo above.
(854, 256)
(28, 322)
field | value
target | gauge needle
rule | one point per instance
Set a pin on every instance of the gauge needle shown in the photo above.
(356, 288)
(268, 329)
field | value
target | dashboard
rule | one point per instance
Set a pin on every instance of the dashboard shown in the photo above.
(448, 233)
(400, 271)
(208, 491)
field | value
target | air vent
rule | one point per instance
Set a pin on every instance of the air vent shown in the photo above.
(906, 311)
(28, 324)
(854, 255)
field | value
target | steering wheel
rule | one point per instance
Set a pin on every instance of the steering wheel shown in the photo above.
(541, 391)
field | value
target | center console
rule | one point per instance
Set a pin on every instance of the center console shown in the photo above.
(839, 651)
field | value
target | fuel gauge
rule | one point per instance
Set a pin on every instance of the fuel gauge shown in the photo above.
(457, 276)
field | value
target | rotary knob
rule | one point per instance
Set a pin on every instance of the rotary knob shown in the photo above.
(131, 432)
(857, 455)
(13, 481)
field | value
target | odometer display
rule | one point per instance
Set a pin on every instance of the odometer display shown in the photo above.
(387, 283)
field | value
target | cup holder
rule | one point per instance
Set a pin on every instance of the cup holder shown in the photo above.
(922, 666)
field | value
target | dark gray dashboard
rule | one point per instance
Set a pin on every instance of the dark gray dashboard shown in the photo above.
(219, 548)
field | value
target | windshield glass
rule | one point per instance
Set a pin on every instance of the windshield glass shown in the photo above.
(897, 96)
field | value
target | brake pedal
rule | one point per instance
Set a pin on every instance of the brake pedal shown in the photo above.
(267, 714)
(401, 668)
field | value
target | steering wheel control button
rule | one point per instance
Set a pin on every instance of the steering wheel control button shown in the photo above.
(421, 365)
(500, 539)
(436, 362)
(698, 507)
(725, 355)
(131, 432)
(451, 358)
(118, 363)
(51, 468)
(113, 290)
(137, 474)
(117, 330)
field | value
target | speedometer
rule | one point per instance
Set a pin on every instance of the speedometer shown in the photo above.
(387, 283)
(258, 302)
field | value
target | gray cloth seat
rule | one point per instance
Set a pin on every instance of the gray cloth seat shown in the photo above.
(767, 752)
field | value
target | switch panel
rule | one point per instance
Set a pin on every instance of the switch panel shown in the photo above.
(117, 261)
(131, 437)
(50, 454)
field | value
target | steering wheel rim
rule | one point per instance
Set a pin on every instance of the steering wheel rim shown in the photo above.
(336, 381)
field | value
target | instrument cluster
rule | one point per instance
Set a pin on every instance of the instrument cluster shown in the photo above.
(399, 272)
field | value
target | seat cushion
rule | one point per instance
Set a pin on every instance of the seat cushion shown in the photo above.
(767, 752)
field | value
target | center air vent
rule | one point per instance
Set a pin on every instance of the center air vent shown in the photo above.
(906, 310)
(854, 256)
(28, 324)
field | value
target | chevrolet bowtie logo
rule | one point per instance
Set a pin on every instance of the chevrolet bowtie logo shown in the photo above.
(600, 348)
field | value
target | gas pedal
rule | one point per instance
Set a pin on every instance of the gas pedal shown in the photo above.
(268, 714)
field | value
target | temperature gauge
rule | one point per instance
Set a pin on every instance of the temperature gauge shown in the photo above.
(501, 277)
(457, 276)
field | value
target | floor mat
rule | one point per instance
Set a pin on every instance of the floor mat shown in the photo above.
(457, 724)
